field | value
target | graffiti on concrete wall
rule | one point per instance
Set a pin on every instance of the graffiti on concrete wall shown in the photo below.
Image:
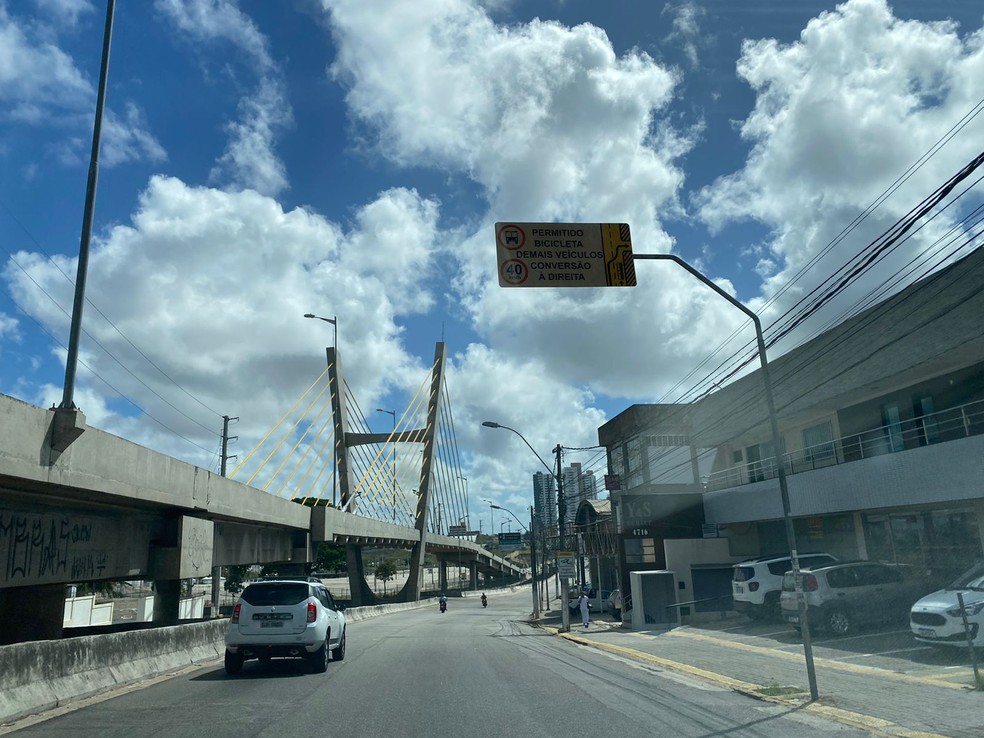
(43, 547)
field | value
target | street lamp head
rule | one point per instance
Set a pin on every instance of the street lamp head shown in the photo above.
(491, 424)
(318, 317)
(496, 507)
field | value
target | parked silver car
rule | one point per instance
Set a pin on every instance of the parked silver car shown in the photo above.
(844, 596)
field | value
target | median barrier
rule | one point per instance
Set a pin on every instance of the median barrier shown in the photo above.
(40, 675)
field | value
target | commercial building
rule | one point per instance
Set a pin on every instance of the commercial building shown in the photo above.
(882, 429)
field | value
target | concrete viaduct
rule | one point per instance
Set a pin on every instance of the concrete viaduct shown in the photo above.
(79, 504)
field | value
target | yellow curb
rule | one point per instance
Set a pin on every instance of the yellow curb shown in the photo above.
(829, 663)
(846, 717)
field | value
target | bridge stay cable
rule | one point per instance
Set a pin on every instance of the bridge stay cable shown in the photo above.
(410, 476)
(272, 431)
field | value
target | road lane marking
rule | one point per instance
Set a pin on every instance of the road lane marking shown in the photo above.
(884, 653)
(829, 663)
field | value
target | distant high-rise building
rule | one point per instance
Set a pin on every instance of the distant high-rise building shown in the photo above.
(545, 501)
(578, 486)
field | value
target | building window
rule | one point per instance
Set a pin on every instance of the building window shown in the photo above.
(761, 462)
(925, 414)
(818, 444)
(892, 423)
(940, 541)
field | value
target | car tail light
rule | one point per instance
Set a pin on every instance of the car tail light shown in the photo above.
(753, 586)
(809, 583)
(235, 613)
(312, 612)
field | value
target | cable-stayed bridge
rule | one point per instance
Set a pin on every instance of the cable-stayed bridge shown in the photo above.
(79, 504)
(323, 452)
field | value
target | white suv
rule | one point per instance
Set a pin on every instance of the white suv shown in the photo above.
(288, 618)
(757, 583)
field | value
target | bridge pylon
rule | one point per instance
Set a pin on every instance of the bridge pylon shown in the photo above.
(345, 440)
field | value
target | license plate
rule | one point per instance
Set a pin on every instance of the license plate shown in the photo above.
(927, 632)
(792, 618)
(271, 623)
(739, 590)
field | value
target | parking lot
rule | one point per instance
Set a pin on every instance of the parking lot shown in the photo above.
(890, 648)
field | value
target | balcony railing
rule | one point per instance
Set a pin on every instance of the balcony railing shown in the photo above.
(946, 425)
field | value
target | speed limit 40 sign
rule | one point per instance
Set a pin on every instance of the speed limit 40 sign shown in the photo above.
(564, 255)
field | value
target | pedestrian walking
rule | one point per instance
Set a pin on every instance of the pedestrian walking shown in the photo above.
(582, 602)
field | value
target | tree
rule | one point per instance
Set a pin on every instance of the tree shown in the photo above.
(385, 570)
(331, 558)
(235, 579)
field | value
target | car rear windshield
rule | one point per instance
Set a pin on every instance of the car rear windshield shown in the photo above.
(275, 594)
(744, 573)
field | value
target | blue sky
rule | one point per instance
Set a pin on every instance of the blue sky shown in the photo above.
(349, 157)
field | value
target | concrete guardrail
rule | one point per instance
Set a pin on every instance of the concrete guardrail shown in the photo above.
(41, 675)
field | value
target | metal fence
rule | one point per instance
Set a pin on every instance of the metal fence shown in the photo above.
(947, 425)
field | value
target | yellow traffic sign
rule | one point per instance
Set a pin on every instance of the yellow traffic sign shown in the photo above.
(564, 255)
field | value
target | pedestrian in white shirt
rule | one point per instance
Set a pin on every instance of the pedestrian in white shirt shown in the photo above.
(582, 602)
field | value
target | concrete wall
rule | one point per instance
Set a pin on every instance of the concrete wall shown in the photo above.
(40, 675)
(683, 553)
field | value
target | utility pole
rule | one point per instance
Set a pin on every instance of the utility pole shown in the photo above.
(565, 613)
(217, 570)
(536, 591)
(225, 443)
(561, 502)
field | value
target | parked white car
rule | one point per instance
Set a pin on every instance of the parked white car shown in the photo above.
(757, 583)
(936, 618)
(285, 618)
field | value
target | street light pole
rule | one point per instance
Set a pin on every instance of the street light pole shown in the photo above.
(777, 449)
(491, 516)
(393, 413)
(565, 615)
(536, 595)
(75, 331)
(467, 511)
(334, 450)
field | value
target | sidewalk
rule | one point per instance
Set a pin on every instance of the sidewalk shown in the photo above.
(886, 702)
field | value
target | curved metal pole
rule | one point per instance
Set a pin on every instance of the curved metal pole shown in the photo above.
(491, 424)
(506, 509)
(777, 448)
(556, 475)
(535, 592)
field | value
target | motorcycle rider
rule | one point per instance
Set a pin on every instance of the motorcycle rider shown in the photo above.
(485, 600)
(443, 601)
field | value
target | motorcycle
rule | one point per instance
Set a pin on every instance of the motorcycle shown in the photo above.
(485, 601)
(444, 605)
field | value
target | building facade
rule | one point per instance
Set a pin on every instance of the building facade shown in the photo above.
(882, 437)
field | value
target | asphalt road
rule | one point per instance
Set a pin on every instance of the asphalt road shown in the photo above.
(467, 672)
